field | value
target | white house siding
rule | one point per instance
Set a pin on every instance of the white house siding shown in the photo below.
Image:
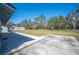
(21, 28)
(4, 29)
(18, 28)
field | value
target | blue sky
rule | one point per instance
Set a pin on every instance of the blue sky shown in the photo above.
(31, 10)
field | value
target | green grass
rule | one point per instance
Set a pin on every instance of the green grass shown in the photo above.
(41, 32)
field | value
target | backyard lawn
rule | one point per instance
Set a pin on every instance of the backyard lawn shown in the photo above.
(41, 32)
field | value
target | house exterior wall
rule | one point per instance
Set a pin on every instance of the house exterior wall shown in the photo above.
(6, 11)
(18, 28)
(4, 29)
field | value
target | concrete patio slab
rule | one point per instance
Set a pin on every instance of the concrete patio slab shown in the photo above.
(44, 45)
(52, 45)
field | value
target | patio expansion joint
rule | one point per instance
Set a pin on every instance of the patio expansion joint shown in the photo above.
(36, 38)
(26, 44)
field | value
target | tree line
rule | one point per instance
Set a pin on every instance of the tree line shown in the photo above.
(70, 21)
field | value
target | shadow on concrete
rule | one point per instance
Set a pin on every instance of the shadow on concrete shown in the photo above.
(14, 41)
